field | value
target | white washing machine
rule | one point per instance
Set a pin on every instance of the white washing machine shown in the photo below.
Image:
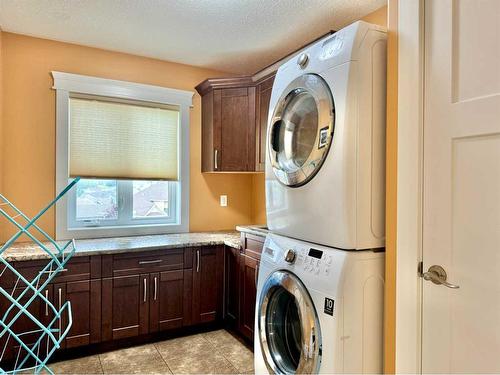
(318, 310)
(325, 166)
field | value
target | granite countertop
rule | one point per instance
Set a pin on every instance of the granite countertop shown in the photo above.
(257, 230)
(30, 251)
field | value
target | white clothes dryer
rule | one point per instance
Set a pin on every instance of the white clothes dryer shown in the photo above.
(325, 162)
(318, 310)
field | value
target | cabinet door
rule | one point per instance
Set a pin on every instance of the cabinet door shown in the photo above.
(234, 120)
(208, 269)
(232, 286)
(125, 306)
(249, 268)
(263, 97)
(85, 298)
(166, 300)
(23, 324)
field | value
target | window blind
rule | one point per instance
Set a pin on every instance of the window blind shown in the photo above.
(118, 140)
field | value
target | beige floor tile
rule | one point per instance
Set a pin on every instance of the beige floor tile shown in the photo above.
(221, 338)
(240, 357)
(189, 346)
(205, 363)
(143, 359)
(85, 365)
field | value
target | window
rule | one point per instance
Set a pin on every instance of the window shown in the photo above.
(129, 144)
(104, 203)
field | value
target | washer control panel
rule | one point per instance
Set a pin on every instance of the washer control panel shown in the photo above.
(314, 261)
(304, 259)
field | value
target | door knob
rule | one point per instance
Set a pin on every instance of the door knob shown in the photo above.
(437, 275)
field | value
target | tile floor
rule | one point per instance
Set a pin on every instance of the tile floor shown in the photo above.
(216, 352)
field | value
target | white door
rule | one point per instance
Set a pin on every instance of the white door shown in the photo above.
(461, 204)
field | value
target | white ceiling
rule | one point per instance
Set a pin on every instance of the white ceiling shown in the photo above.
(238, 36)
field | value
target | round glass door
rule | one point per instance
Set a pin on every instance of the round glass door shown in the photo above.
(301, 130)
(288, 326)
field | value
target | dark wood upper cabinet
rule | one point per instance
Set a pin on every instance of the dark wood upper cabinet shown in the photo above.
(234, 121)
(262, 100)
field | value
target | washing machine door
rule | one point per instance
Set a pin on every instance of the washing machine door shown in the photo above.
(301, 130)
(289, 331)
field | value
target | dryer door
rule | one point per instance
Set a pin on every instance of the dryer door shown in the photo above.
(289, 331)
(301, 130)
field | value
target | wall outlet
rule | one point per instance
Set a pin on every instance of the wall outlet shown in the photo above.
(223, 200)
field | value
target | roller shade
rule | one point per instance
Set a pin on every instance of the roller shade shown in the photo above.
(121, 140)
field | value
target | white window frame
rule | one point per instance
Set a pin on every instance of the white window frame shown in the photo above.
(124, 192)
(67, 84)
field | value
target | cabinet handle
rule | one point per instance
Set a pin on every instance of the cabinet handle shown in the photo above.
(156, 287)
(216, 157)
(145, 289)
(59, 294)
(197, 260)
(47, 302)
(150, 261)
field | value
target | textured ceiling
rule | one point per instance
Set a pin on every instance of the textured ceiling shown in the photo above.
(239, 36)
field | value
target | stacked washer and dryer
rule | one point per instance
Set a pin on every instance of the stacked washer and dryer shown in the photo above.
(320, 286)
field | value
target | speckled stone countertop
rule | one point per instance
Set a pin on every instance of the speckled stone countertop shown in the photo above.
(258, 230)
(30, 251)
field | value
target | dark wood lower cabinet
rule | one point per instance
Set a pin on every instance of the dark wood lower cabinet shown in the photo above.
(182, 291)
(248, 291)
(241, 273)
(122, 296)
(166, 307)
(85, 298)
(232, 287)
(38, 309)
(125, 307)
(208, 271)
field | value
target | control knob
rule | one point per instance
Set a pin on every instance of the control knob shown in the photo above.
(303, 60)
(290, 256)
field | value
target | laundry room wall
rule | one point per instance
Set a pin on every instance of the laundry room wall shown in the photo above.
(27, 166)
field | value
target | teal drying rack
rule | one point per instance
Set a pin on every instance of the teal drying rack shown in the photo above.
(31, 326)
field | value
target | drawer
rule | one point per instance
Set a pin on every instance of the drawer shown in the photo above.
(252, 245)
(145, 262)
(78, 268)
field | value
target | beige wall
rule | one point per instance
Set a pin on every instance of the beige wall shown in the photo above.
(27, 165)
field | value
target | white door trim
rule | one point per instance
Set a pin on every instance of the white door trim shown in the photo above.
(409, 185)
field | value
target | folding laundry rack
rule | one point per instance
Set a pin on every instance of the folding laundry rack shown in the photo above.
(21, 303)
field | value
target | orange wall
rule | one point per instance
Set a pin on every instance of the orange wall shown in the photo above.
(27, 165)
